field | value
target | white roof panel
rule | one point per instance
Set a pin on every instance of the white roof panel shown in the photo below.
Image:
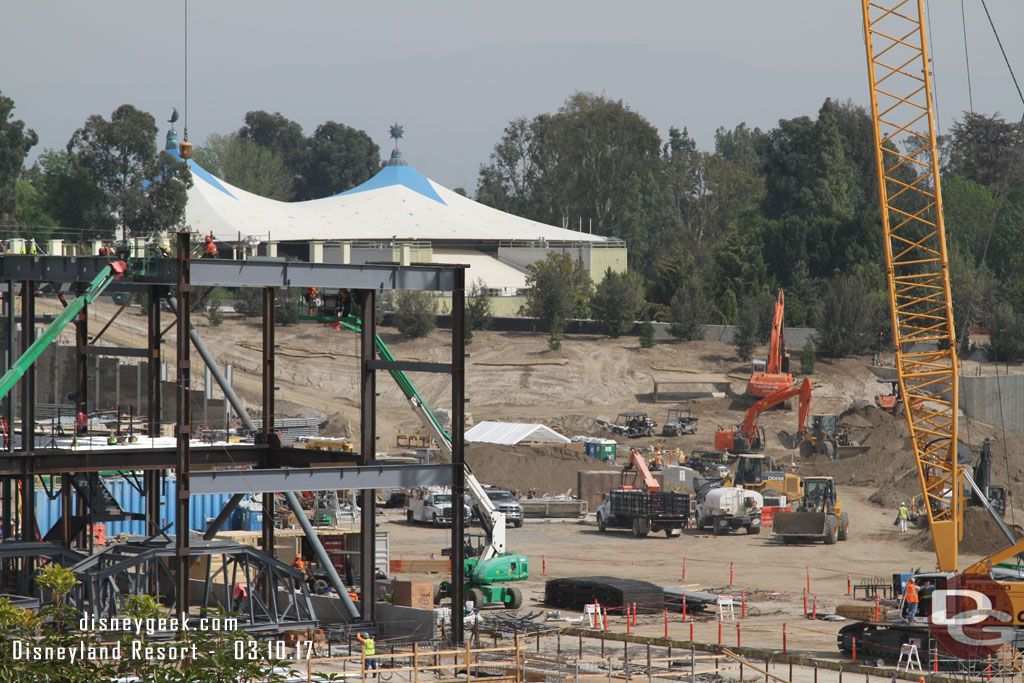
(512, 433)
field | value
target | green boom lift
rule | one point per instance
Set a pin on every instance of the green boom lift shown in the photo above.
(488, 573)
(111, 272)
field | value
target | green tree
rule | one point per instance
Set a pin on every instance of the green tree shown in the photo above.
(746, 335)
(15, 143)
(557, 289)
(647, 333)
(286, 307)
(70, 195)
(146, 191)
(983, 149)
(593, 160)
(249, 302)
(338, 158)
(281, 136)
(478, 309)
(1005, 334)
(689, 310)
(245, 164)
(415, 313)
(616, 301)
(807, 359)
(848, 317)
(215, 307)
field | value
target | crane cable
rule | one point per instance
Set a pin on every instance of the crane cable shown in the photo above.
(1000, 199)
(967, 57)
(185, 131)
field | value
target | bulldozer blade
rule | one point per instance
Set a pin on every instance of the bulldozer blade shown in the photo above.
(851, 451)
(798, 524)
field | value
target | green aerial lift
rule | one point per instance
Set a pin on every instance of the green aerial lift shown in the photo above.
(111, 272)
(487, 573)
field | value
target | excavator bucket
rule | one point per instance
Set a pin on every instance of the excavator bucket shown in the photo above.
(798, 524)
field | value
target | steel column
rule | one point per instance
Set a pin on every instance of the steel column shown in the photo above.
(152, 478)
(7, 483)
(269, 322)
(368, 451)
(457, 431)
(81, 401)
(184, 421)
(8, 401)
(28, 415)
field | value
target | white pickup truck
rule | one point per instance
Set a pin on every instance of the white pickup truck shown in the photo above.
(432, 505)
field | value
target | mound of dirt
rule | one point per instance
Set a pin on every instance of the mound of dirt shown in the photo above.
(549, 469)
(982, 534)
(889, 459)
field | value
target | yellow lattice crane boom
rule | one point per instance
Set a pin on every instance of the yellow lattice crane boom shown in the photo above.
(917, 265)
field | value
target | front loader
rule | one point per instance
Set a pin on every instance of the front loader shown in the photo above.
(818, 516)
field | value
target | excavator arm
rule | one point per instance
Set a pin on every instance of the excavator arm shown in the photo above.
(777, 343)
(754, 412)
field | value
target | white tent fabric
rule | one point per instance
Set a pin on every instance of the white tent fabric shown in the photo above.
(397, 203)
(512, 433)
(496, 274)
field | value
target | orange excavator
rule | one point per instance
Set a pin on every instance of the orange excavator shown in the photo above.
(770, 376)
(749, 436)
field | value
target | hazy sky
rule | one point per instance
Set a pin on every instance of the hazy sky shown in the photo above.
(454, 73)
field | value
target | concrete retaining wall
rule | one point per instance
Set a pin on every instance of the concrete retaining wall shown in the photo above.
(995, 400)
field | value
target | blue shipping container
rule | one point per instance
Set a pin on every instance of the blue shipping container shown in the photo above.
(202, 508)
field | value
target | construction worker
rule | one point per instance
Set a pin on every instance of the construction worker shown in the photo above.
(81, 423)
(657, 462)
(902, 516)
(912, 597)
(210, 248)
(310, 296)
(345, 299)
(369, 650)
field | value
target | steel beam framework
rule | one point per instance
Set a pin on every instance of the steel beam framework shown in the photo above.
(357, 478)
(274, 468)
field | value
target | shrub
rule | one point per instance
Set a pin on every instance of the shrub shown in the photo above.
(807, 359)
(415, 314)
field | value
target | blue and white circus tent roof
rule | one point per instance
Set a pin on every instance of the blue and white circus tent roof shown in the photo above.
(397, 203)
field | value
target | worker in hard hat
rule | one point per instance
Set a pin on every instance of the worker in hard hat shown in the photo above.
(369, 650)
(164, 245)
(210, 248)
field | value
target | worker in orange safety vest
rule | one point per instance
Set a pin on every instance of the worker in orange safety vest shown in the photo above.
(911, 596)
(210, 250)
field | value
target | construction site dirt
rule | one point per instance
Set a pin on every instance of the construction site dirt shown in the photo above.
(514, 377)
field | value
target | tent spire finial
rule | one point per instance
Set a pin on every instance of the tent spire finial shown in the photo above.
(396, 132)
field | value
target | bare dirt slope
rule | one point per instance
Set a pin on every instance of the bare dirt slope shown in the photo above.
(514, 377)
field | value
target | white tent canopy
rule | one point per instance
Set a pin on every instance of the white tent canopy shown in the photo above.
(512, 433)
(398, 203)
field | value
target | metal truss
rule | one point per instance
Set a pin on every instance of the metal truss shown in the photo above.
(277, 595)
(917, 265)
